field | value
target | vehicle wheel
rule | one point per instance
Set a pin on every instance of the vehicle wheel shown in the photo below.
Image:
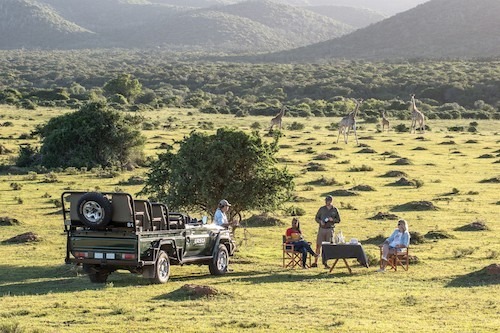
(220, 261)
(94, 210)
(162, 268)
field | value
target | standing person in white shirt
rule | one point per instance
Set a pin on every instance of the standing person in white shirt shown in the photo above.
(399, 238)
(220, 217)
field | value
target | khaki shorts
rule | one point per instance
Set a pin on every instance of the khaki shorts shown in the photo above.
(324, 235)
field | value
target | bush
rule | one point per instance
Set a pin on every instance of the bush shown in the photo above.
(295, 211)
(296, 126)
(401, 128)
(93, 136)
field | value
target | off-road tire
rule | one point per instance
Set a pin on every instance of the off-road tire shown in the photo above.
(94, 210)
(220, 262)
(96, 275)
(162, 268)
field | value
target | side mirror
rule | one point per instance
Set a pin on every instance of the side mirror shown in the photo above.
(204, 219)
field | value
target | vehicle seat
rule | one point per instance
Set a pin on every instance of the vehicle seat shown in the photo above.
(143, 214)
(73, 203)
(160, 213)
(121, 208)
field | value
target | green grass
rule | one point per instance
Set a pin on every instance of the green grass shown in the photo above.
(446, 291)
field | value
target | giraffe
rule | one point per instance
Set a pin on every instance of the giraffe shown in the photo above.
(349, 122)
(277, 119)
(416, 117)
(385, 121)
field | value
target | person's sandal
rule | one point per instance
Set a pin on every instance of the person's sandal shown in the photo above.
(314, 265)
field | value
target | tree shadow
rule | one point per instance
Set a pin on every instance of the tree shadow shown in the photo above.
(478, 278)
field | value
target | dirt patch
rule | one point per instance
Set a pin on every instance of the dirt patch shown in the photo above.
(416, 238)
(366, 188)
(366, 151)
(4, 150)
(402, 161)
(384, 216)
(491, 180)
(343, 193)
(474, 226)
(262, 220)
(438, 234)
(23, 238)
(403, 182)
(196, 290)
(493, 269)
(395, 173)
(8, 221)
(415, 205)
(324, 156)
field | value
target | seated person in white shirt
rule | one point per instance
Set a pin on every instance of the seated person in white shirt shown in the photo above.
(399, 238)
(220, 217)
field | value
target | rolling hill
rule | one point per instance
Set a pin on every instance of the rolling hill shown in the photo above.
(30, 24)
(435, 29)
(253, 26)
(355, 17)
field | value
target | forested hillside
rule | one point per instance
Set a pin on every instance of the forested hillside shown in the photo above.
(30, 24)
(435, 29)
(253, 26)
(444, 89)
(355, 17)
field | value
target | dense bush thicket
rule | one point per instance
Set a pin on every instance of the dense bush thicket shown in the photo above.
(93, 136)
(133, 80)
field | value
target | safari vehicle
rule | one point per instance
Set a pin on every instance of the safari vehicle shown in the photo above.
(111, 231)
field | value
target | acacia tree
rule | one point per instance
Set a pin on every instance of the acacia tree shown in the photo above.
(92, 136)
(229, 164)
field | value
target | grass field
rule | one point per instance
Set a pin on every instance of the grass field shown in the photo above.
(447, 289)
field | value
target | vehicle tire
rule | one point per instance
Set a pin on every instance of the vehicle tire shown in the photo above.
(219, 263)
(94, 210)
(162, 268)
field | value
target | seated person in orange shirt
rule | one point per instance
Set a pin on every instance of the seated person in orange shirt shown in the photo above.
(294, 236)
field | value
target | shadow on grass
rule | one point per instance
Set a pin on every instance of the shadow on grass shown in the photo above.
(253, 277)
(16, 280)
(475, 279)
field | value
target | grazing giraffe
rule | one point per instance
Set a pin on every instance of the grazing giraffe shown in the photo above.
(416, 117)
(349, 122)
(277, 119)
(385, 121)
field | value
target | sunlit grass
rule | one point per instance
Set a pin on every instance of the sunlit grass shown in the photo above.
(443, 292)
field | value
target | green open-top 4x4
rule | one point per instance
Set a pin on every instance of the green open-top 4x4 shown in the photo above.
(110, 231)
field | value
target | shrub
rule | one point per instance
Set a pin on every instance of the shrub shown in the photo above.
(296, 126)
(323, 181)
(106, 138)
(462, 252)
(16, 186)
(295, 211)
(361, 168)
(50, 178)
(401, 128)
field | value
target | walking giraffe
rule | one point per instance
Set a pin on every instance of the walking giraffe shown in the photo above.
(385, 121)
(349, 122)
(277, 119)
(416, 117)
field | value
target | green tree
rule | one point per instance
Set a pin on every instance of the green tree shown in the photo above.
(123, 85)
(229, 164)
(92, 136)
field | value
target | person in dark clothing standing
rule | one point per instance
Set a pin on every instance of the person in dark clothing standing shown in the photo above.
(326, 217)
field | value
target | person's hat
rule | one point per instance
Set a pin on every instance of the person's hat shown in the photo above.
(329, 198)
(224, 203)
